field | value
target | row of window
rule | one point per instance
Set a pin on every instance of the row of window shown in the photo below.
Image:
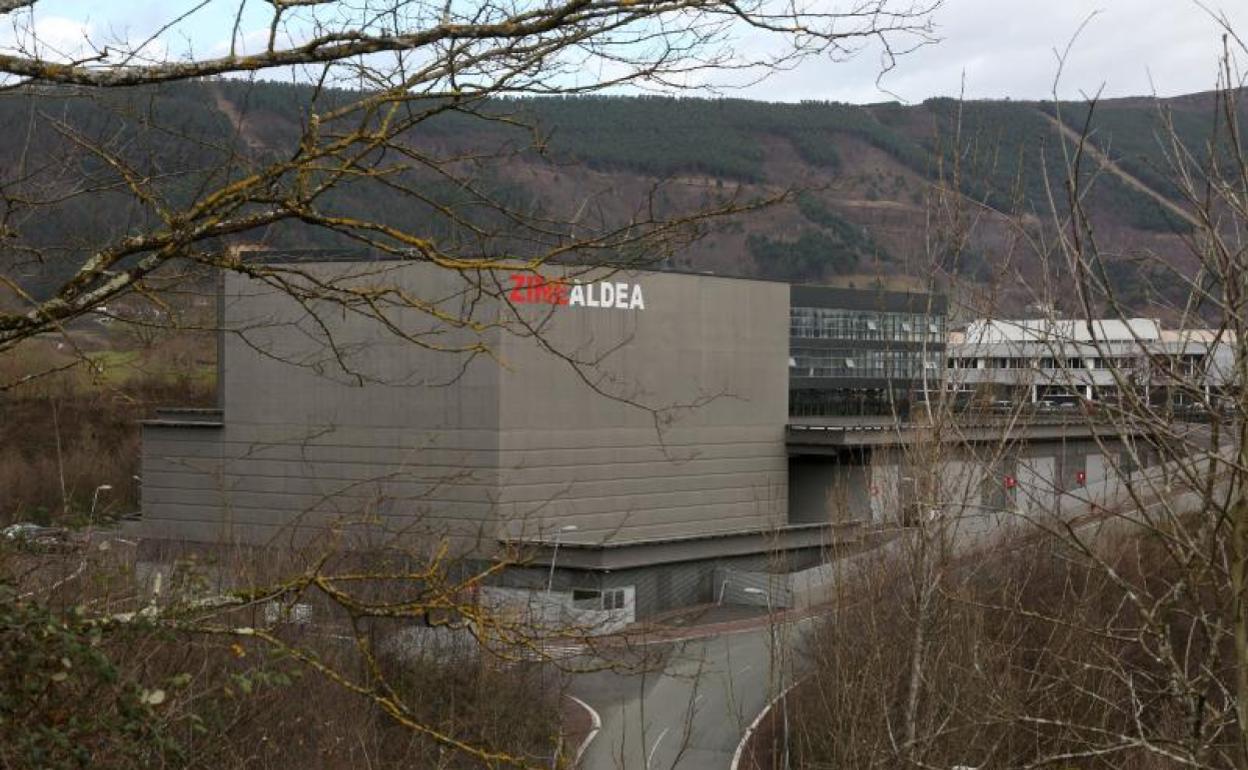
(1187, 364)
(848, 403)
(891, 364)
(1010, 362)
(835, 324)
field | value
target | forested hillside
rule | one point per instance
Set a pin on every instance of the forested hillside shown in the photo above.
(864, 174)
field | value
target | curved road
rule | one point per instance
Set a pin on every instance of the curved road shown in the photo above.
(689, 708)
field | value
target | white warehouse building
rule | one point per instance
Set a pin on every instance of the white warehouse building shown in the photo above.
(1054, 362)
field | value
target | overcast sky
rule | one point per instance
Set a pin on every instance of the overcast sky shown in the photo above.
(1005, 48)
(999, 48)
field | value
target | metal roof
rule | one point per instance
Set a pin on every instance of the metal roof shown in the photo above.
(1049, 330)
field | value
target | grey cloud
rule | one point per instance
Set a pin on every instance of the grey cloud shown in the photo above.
(1006, 49)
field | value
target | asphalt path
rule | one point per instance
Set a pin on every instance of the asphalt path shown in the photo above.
(689, 708)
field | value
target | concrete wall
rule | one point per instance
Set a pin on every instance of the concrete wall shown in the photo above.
(331, 419)
(967, 482)
(658, 587)
(828, 488)
(661, 422)
(671, 423)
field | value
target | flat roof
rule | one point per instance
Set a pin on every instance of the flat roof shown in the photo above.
(998, 330)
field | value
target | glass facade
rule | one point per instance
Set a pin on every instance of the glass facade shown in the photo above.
(866, 363)
(847, 402)
(848, 361)
(865, 325)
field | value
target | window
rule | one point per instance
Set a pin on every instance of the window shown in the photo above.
(588, 599)
(848, 401)
(830, 323)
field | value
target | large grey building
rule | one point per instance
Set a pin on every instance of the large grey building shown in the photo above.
(637, 419)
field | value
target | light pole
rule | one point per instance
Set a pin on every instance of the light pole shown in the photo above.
(775, 659)
(550, 581)
(95, 497)
(550, 584)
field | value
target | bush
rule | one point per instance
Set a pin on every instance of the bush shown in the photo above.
(1029, 655)
(80, 689)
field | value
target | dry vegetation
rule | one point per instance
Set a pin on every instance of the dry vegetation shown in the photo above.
(1037, 659)
(63, 435)
(163, 697)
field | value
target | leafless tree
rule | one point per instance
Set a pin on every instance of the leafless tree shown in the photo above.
(376, 74)
(1108, 629)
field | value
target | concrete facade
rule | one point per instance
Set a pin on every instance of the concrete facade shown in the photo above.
(708, 356)
(629, 424)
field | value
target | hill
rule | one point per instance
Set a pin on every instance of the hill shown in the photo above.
(867, 174)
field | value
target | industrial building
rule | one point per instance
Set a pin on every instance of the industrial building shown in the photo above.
(637, 428)
(1061, 362)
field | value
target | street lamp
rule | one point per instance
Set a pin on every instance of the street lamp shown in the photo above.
(550, 581)
(775, 657)
(95, 496)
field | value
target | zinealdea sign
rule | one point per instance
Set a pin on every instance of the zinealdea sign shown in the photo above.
(533, 289)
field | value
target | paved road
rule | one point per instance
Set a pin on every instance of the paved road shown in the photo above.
(689, 710)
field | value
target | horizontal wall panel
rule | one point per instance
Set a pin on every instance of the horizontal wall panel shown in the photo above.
(245, 453)
(194, 471)
(207, 509)
(618, 488)
(654, 525)
(573, 437)
(301, 479)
